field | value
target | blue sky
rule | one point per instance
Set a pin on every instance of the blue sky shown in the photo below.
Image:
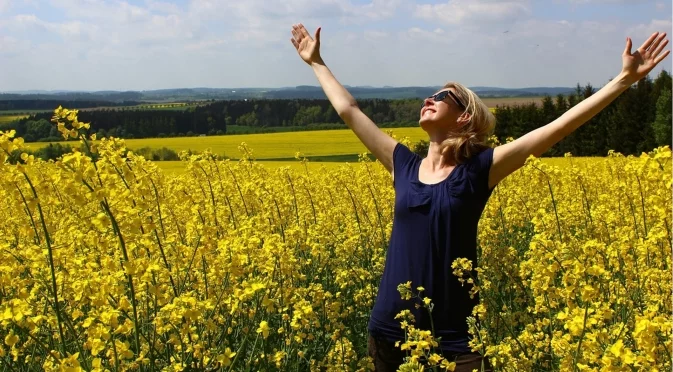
(152, 44)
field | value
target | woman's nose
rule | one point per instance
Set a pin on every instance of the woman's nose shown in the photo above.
(427, 101)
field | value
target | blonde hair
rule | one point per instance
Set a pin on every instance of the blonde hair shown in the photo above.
(471, 138)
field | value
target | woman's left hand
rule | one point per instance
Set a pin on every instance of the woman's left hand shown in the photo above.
(636, 66)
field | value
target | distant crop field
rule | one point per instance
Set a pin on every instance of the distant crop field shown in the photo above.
(149, 106)
(4, 119)
(23, 112)
(270, 145)
(510, 101)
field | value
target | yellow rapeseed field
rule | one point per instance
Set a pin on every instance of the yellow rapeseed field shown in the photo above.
(268, 145)
(4, 119)
(178, 167)
(111, 265)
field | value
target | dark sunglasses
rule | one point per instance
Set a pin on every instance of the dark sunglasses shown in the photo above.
(442, 96)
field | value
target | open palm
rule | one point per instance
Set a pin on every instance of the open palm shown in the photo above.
(638, 64)
(307, 47)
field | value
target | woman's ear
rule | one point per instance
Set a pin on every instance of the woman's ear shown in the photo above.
(464, 119)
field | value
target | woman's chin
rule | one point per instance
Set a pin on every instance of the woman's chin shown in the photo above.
(425, 123)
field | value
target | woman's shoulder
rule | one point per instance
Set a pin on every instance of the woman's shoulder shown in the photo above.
(402, 154)
(481, 158)
(404, 161)
(472, 177)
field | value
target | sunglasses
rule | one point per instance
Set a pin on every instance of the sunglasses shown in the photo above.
(442, 96)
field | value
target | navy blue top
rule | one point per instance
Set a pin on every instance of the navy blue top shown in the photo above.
(433, 225)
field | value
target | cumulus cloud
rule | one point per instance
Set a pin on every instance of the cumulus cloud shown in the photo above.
(644, 30)
(4, 6)
(473, 11)
(149, 44)
(162, 7)
(607, 1)
(71, 30)
(264, 22)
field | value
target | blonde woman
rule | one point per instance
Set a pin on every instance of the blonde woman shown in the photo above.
(439, 199)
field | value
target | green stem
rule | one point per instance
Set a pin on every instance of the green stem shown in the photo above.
(579, 344)
(122, 244)
(47, 239)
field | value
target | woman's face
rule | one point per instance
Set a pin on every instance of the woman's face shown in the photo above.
(441, 111)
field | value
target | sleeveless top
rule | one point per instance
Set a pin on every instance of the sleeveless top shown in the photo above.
(433, 225)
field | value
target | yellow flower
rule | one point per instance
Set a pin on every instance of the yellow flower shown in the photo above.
(11, 339)
(435, 359)
(263, 329)
(225, 358)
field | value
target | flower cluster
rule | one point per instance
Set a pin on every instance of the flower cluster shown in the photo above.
(421, 346)
(575, 266)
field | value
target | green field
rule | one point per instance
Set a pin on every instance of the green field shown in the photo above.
(268, 146)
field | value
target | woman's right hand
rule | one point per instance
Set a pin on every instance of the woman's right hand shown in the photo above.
(307, 47)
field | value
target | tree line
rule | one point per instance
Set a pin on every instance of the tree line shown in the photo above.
(639, 120)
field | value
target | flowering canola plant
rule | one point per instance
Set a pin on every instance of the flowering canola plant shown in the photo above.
(107, 264)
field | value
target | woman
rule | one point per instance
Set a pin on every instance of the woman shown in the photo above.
(439, 199)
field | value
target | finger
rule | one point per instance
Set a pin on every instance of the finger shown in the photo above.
(296, 35)
(295, 43)
(303, 31)
(659, 48)
(317, 35)
(648, 41)
(661, 57)
(627, 51)
(656, 42)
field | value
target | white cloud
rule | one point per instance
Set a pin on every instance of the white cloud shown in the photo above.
(473, 11)
(266, 22)
(11, 46)
(639, 33)
(607, 1)
(205, 45)
(375, 35)
(125, 44)
(120, 12)
(377, 9)
(69, 31)
(162, 7)
(429, 37)
(4, 5)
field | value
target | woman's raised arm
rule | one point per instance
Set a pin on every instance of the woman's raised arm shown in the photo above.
(375, 140)
(511, 156)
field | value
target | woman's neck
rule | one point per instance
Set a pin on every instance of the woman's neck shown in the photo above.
(435, 160)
